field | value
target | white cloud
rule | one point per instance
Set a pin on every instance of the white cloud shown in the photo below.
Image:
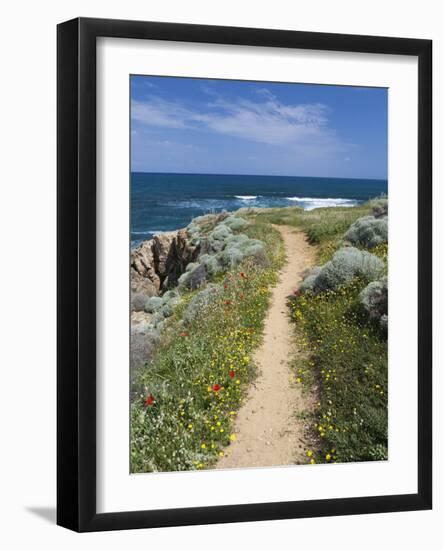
(175, 145)
(304, 127)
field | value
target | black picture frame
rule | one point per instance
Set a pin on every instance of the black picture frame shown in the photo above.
(76, 281)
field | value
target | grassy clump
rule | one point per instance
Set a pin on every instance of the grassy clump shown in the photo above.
(348, 361)
(187, 397)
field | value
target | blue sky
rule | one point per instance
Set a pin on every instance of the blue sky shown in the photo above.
(190, 125)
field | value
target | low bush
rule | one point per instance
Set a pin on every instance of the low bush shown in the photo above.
(138, 301)
(220, 233)
(166, 310)
(379, 207)
(374, 298)
(197, 277)
(309, 281)
(368, 232)
(170, 294)
(384, 322)
(235, 223)
(346, 264)
(212, 264)
(153, 304)
(200, 301)
(230, 257)
(223, 250)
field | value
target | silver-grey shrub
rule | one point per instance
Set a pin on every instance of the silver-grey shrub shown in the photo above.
(230, 257)
(368, 231)
(221, 250)
(384, 322)
(346, 264)
(237, 240)
(168, 307)
(191, 266)
(235, 223)
(212, 264)
(374, 298)
(379, 207)
(200, 301)
(220, 233)
(218, 238)
(309, 281)
(170, 294)
(153, 304)
(138, 301)
(193, 229)
(238, 250)
(197, 277)
(194, 277)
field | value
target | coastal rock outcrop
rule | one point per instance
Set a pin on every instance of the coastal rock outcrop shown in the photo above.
(157, 264)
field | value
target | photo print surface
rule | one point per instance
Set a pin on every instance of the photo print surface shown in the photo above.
(259, 274)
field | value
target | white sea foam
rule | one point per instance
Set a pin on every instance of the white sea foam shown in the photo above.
(309, 203)
(246, 197)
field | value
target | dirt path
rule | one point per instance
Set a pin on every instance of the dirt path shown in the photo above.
(268, 433)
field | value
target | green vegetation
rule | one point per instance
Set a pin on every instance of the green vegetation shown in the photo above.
(324, 227)
(341, 323)
(186, 399)
(346, 264)
(368, 231)
(347, 360)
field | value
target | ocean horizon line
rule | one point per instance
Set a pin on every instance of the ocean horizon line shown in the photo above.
(255, 175)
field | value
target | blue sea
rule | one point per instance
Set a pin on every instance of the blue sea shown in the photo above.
(164, 202)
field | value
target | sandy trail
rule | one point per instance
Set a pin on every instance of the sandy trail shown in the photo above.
(268, 433)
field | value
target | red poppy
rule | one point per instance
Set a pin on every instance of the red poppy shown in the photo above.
(149, 401)
(231, 373)
(228, 302)
(225, 286)
(243, 275)
(184, 334)
(216, 387)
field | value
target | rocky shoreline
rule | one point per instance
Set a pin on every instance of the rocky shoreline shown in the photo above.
(157, 264)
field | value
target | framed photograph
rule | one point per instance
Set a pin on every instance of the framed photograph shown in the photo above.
(244, 274)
